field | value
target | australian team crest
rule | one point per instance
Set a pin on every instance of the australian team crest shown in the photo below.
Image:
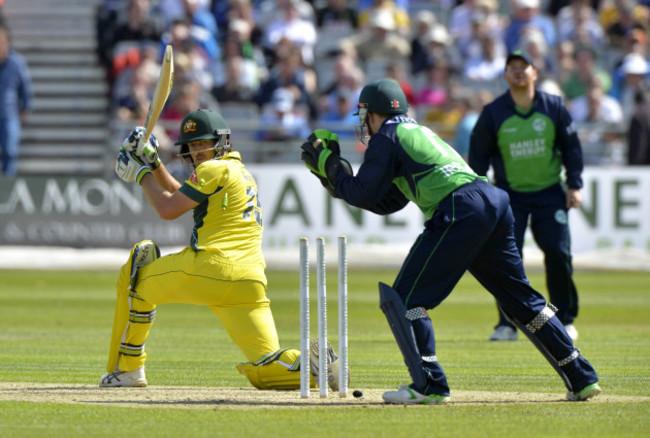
(190, 126)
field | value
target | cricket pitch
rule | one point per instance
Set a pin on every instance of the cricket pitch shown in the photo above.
(196, 397)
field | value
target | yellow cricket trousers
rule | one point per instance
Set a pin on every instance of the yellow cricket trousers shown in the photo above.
(194, 278)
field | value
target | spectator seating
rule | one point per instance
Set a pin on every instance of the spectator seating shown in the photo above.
(67, 130)
(70, 131)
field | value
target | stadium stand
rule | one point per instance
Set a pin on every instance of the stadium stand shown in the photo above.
(67, 130)
(73, 132)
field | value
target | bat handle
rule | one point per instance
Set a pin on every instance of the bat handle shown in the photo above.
(144, 140)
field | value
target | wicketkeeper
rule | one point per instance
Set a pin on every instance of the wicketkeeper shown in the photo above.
(222, 268)
(469, 226)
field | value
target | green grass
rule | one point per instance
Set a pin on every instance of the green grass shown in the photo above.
(55, 328)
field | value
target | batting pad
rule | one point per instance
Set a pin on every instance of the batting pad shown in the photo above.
(130, 309)
(393, 307)
(281, 373)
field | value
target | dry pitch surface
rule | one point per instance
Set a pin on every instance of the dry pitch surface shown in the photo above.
(193, 397)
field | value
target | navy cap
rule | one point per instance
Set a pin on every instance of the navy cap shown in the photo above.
(521, 54)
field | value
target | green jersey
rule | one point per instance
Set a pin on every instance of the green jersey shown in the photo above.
(527, 149)
(405, 162)
(442, 169)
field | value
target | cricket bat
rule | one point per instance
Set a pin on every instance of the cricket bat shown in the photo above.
(160, 95)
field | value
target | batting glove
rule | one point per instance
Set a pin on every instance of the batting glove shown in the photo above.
(147, 151)
(129, 168)
(150, 153)
(131, 142)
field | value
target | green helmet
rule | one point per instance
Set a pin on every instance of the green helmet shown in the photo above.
(204, 124)
(384, 96)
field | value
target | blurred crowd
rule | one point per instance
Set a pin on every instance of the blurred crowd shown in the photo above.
(297, 64)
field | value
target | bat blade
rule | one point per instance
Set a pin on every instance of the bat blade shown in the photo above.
(160, 95)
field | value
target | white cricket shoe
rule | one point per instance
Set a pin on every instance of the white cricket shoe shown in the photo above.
(571, 331)
(585, 394)
(332, 365)
(135, 378)
(406, 395)
(504, 333)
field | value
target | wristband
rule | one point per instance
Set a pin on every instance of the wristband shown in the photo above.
(142, 171)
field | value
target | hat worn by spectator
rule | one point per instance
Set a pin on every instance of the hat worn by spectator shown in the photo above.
(528, 4)
(634, 64)
(425, 17)
(438, 34)
(490, 5)
(239, 26)
(383, 19)
(521, 54)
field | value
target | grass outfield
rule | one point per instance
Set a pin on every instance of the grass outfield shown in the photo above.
(55, 328)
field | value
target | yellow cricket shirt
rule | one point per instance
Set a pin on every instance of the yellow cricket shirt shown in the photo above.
(228, 219)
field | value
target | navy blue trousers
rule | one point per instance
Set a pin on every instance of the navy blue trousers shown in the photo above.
(473, 229)
(550, 228)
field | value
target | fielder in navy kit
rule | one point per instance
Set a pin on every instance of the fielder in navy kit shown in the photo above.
(469, 226)
(528, 136)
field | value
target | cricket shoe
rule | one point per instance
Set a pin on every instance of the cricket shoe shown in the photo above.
(332, 365)
(571, 331)
(504, 333)
(586, 393)
(144, 252)
(406, 395)
(135, 378)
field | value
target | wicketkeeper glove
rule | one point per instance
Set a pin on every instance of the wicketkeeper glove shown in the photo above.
(147, 152)
(324, 160)
(129, 167)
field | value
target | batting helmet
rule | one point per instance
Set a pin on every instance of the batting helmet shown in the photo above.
(204, 124)
(383, 96)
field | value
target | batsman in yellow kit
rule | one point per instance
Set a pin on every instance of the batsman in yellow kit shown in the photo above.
(222, 268)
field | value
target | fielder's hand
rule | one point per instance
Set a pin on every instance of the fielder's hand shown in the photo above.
(321, 154)
(573, 198)
(147, 152)
(129, 168)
